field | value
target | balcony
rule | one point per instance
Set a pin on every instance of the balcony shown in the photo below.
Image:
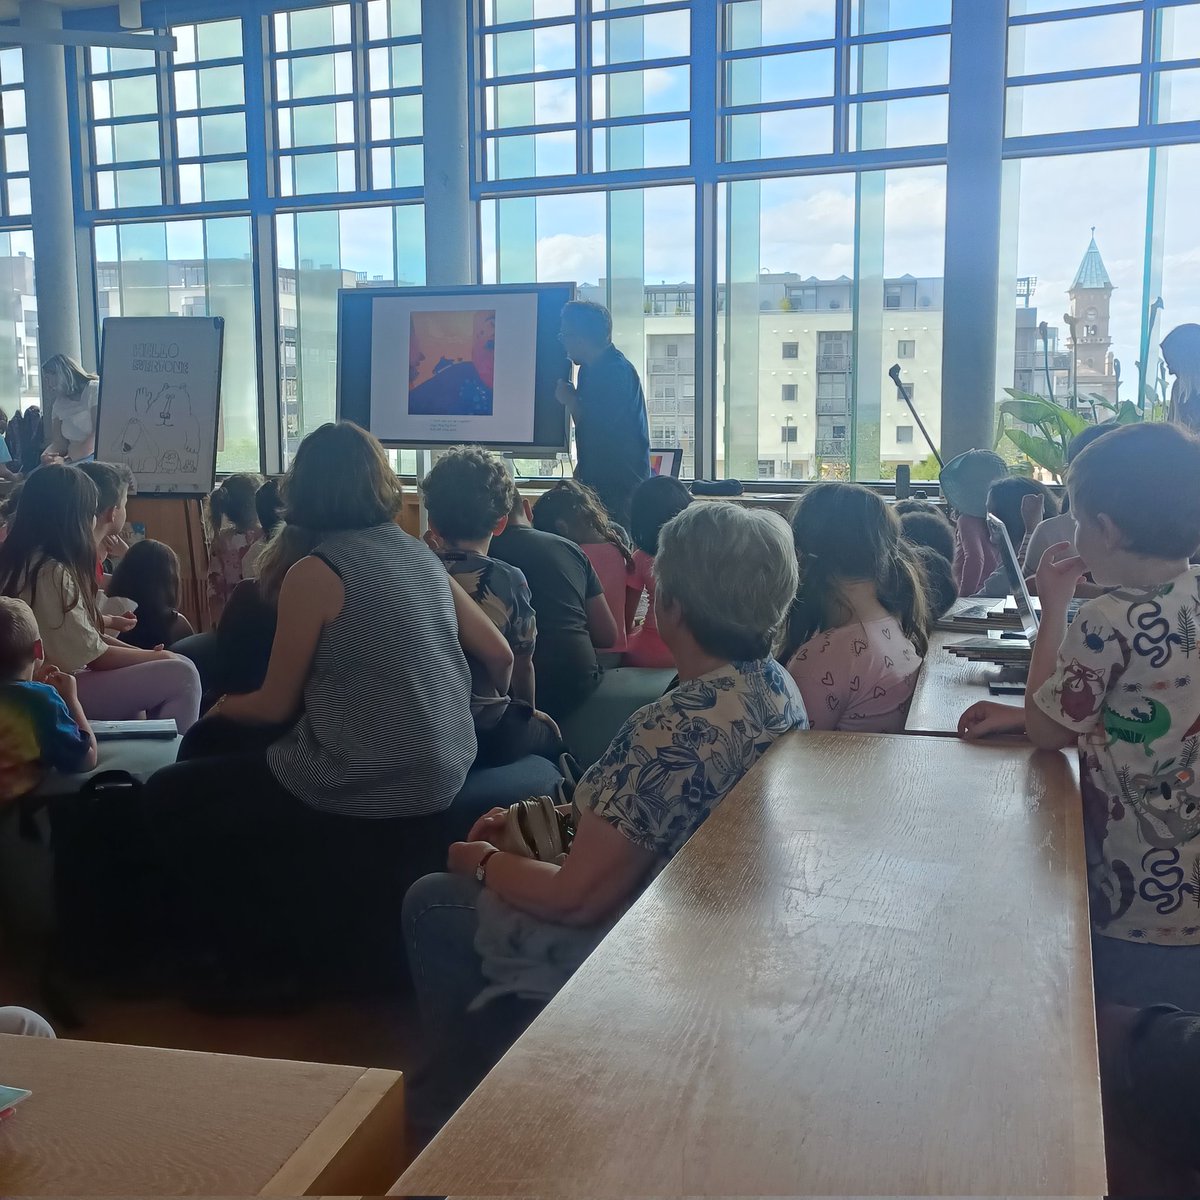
(836, 408)
(833, 447)
(834, 362)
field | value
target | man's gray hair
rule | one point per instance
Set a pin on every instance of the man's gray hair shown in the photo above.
(732, 572)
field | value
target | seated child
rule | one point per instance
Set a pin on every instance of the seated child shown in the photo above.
(149, 575)
(42, 724)
(233, 529)
(269, 507)
(49, 561)
(1123, 683)
(573, 618)
(965, 482)
(860, 622)
(572, 510)
(113, 482)
(468, 494)
(1021, 504)
(655, 502)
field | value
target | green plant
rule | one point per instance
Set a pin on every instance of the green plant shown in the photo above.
(786, 304)
(1053, 427)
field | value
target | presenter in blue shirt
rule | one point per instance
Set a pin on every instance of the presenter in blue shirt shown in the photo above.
(607, 404)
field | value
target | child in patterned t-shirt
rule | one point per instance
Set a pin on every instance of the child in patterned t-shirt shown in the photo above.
(1124, 682)
(468, 494)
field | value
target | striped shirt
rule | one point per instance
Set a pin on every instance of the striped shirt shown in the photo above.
(386, 729)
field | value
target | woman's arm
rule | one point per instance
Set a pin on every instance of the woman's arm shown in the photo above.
(599, 875)
(312, 595)
(523, 686)
(481, 640)
(56, 447)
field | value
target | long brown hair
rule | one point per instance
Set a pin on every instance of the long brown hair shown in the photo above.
(341, 479)
(845, 532)
(53, 524)
(288, 545)
(573, 510)
(233, 501)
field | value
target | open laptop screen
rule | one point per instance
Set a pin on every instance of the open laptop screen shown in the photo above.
(1016, 581)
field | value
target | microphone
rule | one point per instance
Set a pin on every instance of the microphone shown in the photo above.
(894, 376)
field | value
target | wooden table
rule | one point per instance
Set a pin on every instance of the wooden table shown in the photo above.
(948, 686)
(868, 973)
(130, 1120)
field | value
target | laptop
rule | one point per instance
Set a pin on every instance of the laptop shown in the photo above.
(1008, 649)
(666, 461)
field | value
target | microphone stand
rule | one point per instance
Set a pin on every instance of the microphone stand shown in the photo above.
(894, 375)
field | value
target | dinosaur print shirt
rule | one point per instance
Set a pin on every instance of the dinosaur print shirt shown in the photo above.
(1128, 682)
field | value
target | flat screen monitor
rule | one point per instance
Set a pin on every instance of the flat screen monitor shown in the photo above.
(431, 367)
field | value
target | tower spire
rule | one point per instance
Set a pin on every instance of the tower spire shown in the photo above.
(1092, 272)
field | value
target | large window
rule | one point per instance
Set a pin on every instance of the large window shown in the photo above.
(14, 146)
(193, 268)
(19, 375)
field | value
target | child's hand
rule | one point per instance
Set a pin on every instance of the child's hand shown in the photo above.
(1057, 574)
(1032, 511)
(121, 624)
(987, 718)
(114, 546)
(432, 540)
(60, 681)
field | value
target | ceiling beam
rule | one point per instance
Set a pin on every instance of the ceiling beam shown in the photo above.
(17, 35)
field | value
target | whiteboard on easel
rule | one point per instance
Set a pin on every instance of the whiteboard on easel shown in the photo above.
(160, 397)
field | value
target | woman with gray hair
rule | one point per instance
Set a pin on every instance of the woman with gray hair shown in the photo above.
(501, 926)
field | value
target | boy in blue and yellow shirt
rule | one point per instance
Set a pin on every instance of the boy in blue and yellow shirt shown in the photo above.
(42, 724)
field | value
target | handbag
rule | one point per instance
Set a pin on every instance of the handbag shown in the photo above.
(534, 828)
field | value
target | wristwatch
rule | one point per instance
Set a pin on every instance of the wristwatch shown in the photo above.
(481, 869)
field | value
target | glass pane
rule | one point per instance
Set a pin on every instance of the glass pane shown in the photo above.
(778, 77)
(886, 124)
(319, 253)
(187, 137)
(315, 173)
(106, 190)
(919, 62)
(1180, 28)
(1108, 41)
(224, 133)
(533, 154)
(631, 147)
(1178, 95)
(191, 183)
(497, 12)
(397, 117)
(751, 23)
(12, 68)
(547, 102)
(393, 19)
(628, 39)
(118, 59)
(318, 75)
(219, 39)
(397, 167)
(185, 44)
(1020, 8)
(18, 197)
(309, 28)
(404, 69)
(313, 125)
(221, 87)
(187, 93)
(18, 354)
(16, 153)
(870, 16)
(1063, 107)
(797, 131)
(225, 180)
(548, 49)
(639, 93)
(12, 109)
(135, 142)
(1053, 242)
(133, 96)
(141, 188)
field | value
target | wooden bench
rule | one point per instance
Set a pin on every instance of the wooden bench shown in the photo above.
(130, 1120)
(868, 973)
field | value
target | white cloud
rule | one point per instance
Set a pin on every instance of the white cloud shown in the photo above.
(570, 256)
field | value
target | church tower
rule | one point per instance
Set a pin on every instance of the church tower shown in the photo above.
(1091, 304)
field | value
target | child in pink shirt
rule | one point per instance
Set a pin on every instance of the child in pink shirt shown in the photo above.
(232, 528)
(860, 621)
(654, 503)
(573, 511)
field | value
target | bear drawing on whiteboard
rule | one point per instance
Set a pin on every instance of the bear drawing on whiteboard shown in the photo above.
(176, 429)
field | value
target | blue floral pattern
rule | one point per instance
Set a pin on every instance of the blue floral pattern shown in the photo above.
(675, 760)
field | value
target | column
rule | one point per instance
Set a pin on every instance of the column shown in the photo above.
(51, 187)
(974, 187)
(450, 223)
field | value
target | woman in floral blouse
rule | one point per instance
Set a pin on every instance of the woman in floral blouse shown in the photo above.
(726, 576)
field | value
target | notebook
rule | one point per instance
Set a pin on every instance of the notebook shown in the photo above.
(110, 730)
